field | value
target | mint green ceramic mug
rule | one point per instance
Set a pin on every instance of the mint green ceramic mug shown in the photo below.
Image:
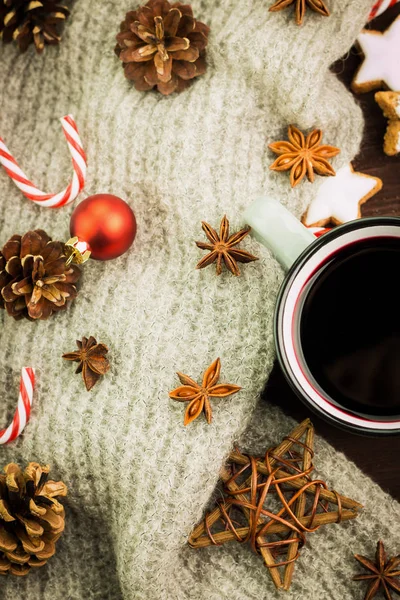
(337, 318)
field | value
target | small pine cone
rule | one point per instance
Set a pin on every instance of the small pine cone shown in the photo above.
(3, 12)
(162, 46)
(35, 280)
(31, 518)
(31, 21)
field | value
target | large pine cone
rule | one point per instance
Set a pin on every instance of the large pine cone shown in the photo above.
(31, 518)
(35, 280)
(161, 45)
(31, 21)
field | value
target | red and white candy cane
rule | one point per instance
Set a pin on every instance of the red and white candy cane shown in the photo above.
(318, 231)
(77, 183)
(380, 6)
(23, 410)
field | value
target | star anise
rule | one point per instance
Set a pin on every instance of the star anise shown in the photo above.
(222, 247)
(92, 360)
(300, 8)
(383, 573)
(198, 395)
(303, 155)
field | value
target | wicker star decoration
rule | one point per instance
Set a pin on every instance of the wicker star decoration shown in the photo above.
(272, 503)
(300, 6)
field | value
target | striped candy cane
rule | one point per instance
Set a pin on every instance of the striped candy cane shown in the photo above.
(29, 190)
(318, 231)
(23, 410)
(380, 6)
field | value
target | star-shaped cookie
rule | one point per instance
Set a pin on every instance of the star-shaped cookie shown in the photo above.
(381, 64)
(390, 104)
(339, 198)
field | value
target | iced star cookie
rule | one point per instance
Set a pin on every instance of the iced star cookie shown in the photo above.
(339, 198)
(390, 104)
(381, 64)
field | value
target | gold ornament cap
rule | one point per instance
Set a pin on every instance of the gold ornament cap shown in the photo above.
(78, 251)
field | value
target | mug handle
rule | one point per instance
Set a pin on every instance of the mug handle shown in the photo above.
(278, 229)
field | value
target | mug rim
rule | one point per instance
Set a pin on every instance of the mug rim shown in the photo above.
(283, 293)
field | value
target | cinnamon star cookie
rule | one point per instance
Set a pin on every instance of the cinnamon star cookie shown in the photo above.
(339, 198)
(390, 104)
(381, 64)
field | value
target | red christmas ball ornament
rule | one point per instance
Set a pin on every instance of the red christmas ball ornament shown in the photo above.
(106, 224)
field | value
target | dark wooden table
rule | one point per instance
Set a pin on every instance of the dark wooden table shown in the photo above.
(378, 457)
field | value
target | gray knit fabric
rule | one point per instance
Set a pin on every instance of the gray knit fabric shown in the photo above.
(138, 480)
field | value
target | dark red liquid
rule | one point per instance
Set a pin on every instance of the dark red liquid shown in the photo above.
(350, 328)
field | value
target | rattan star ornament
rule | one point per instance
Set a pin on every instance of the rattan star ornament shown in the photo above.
(272, 503)
(300, 7)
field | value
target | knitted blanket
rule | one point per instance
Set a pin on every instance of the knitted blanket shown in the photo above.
(138, 479)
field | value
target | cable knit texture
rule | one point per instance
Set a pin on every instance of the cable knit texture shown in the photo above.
(138, 480)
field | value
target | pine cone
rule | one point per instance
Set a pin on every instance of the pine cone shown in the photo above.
(27, 21)
(161, 45)
(31, 518)
(35, 280)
